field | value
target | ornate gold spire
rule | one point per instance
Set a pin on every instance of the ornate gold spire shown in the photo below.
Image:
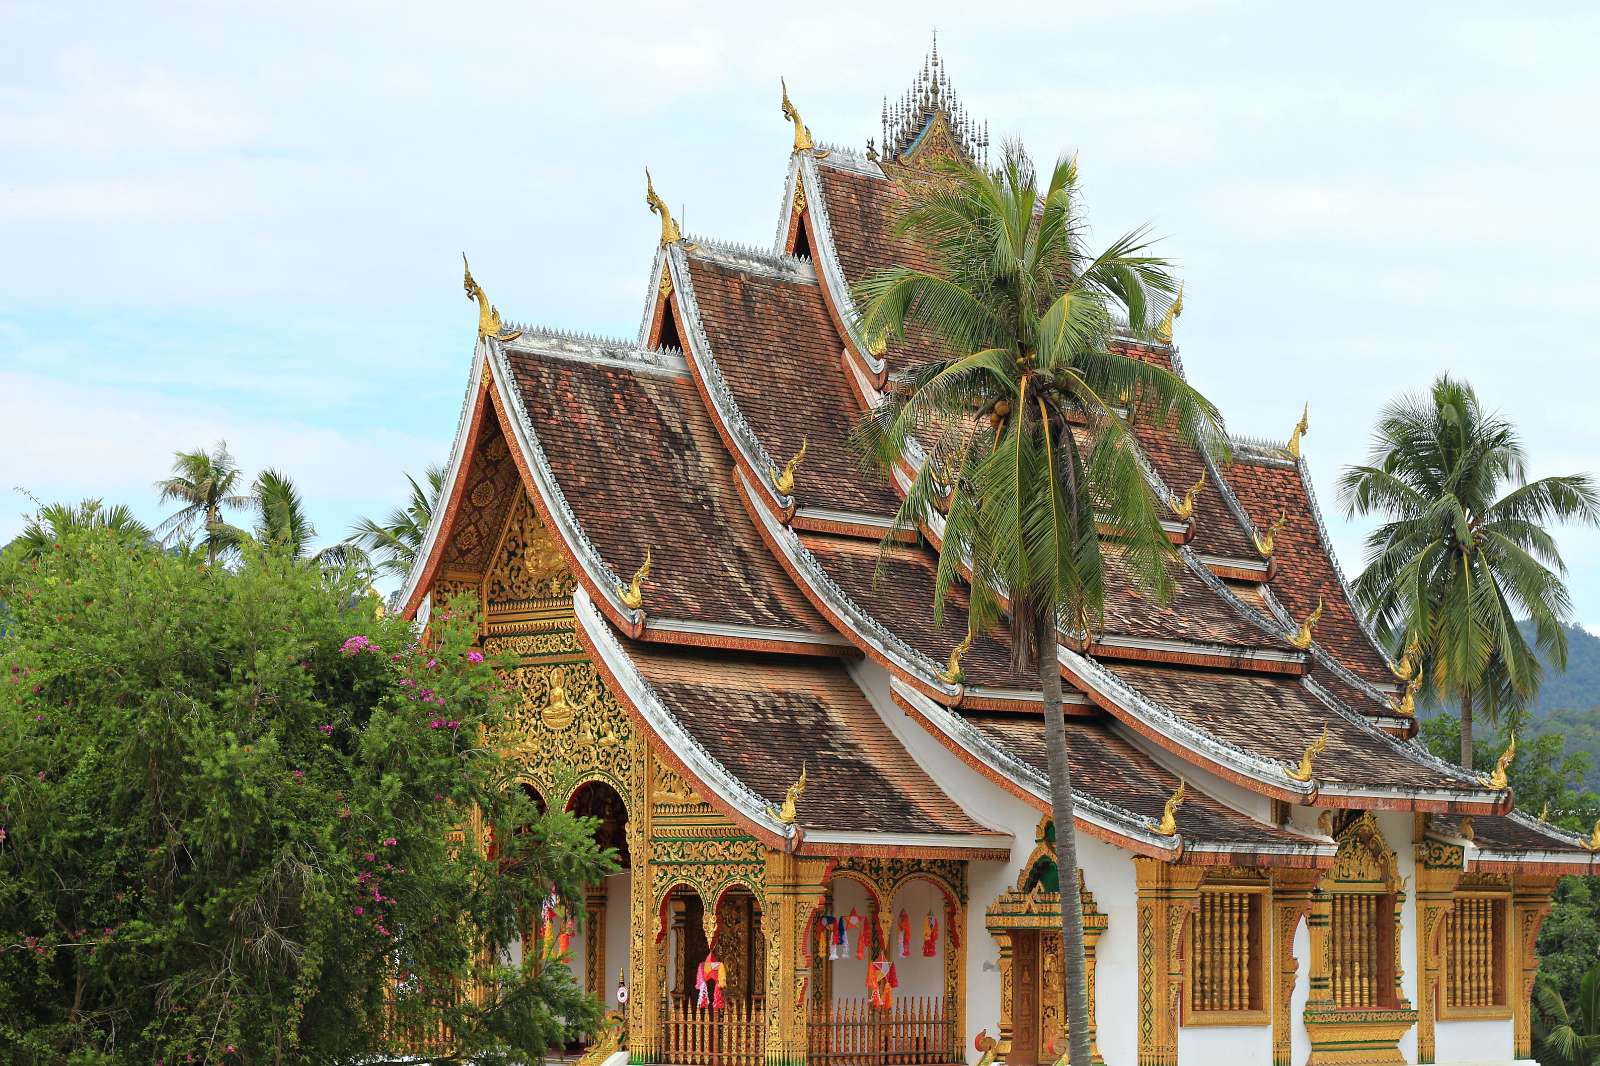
(1406, 668)
(1544, 812)
(1301, 638)
(1500, 779)
(632, 594)
(1301, 428)
(1406, 705)
(802, 135)
(1265, 542)
(669, 228)
(1168, 826)
(1163, 329)
(1309, 757)
(489, 324)
(783, 480)
(952, 674)
(1183, 508)
(791, 800)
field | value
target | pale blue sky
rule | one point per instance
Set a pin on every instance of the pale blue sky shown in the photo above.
(246, 222)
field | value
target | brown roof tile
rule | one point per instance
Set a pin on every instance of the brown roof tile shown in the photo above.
(1109, 768)
(1498, 832)
(766, 717)
(641, 465)
(780, 354)
(1276, 718)
(1216, 530)
(1305, 572)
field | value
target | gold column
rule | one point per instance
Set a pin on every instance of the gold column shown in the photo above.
(1530, 904)
(1167, 895)
(1439, 868)
(646, 959)
(793, 888)
(1007, 1025)
(1293, 892)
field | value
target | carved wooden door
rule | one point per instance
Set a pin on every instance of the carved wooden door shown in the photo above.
(1052, 1023)
(1024, 1000)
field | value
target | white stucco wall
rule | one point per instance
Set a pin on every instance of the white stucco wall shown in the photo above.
(1473, 1042)
(1299, 1037)
(616, 933)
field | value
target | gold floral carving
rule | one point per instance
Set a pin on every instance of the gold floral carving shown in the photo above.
(1167, 893)
(528, 564)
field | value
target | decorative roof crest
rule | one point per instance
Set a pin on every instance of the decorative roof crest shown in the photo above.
(1265, 541)
(930, 107)
(783, 480)
(1406, 705)
(1301, 428)
(1308, 758)
(1174, 312)
(952, 674)
(1500, 779)
(489, 324)
(1168, 826)
(1183, 509)
(802, 133)
(670, 233)
(1301, 638)
(1406, 668)
(632, 594)
(791, 800)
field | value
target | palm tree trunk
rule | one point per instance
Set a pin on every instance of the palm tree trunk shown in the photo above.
(1076, 985)
(213, 516)
(1466, 729)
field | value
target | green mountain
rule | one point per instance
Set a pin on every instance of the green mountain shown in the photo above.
(1579, 685)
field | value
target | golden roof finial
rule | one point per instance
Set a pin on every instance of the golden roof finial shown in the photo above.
(632, 594)
(1163, 329)
(1544, 812)
(489, 324)
(1406, 705)
(669, 228)
(1168, 826)
(1309, 757)
(802, 135)
(1500, 779)
(1301, 428)
(1265, 542)
(783, 480)
(952, 674)
(1406, 668)
(1301, 638)
(1184, 509)
(1467, 830)
(791, 800)
(1593, 843)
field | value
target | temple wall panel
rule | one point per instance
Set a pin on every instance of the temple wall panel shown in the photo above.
(1477, 1040)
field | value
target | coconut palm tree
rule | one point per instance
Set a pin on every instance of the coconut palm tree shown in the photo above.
(396, 541)
(203, 483)
(1019, 420)
(1463, 549)
(1568, 1037)
(282, 524)
(51, 520)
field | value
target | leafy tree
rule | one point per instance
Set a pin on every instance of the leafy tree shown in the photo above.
(1546, 774)
(252, 825)
(203, 483)
(1026, 316)
(396, 541)
(1458, 556)
(51, 521)
(1569, 1035)
(282, 524)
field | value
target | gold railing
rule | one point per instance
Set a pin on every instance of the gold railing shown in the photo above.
(704, 1036)
(916, 1031)
(1474, 936)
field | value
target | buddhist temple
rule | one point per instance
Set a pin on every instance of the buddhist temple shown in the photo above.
(832, 811)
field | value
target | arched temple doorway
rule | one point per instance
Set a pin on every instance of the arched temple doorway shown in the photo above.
(600, 950)
(713, 976)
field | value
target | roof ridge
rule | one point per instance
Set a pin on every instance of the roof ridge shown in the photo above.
(579, 346)
(1259, 448)
(750, 258)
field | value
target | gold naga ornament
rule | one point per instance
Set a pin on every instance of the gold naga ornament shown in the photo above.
(1544, 812)
(1301, 638)
(1467, 830)
(632, 594)
(1183, 509)
(1500, 779)
(1163, 330)
(802, 134)
(1168, 826)
(1309, 757)
(1406, 668)
(791, 800)
(1593, 843)
(489, 324)
(1406, 705)
(952, 674)
(669, 229)
(1267, 541)
(783, 480)
(1301, 428)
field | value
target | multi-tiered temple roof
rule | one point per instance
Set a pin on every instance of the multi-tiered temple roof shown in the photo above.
(723, 540)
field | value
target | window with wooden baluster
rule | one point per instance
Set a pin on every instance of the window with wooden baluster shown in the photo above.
(1476, 961)
(1225, 953)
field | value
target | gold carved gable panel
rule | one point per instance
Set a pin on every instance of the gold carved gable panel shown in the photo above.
(493, 483)
(528, 565)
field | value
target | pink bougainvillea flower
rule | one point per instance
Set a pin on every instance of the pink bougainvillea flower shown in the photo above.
(474, 657)
(391, 842)
(359, 910)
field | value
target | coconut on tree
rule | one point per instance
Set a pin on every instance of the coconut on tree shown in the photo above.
(1020, 421)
